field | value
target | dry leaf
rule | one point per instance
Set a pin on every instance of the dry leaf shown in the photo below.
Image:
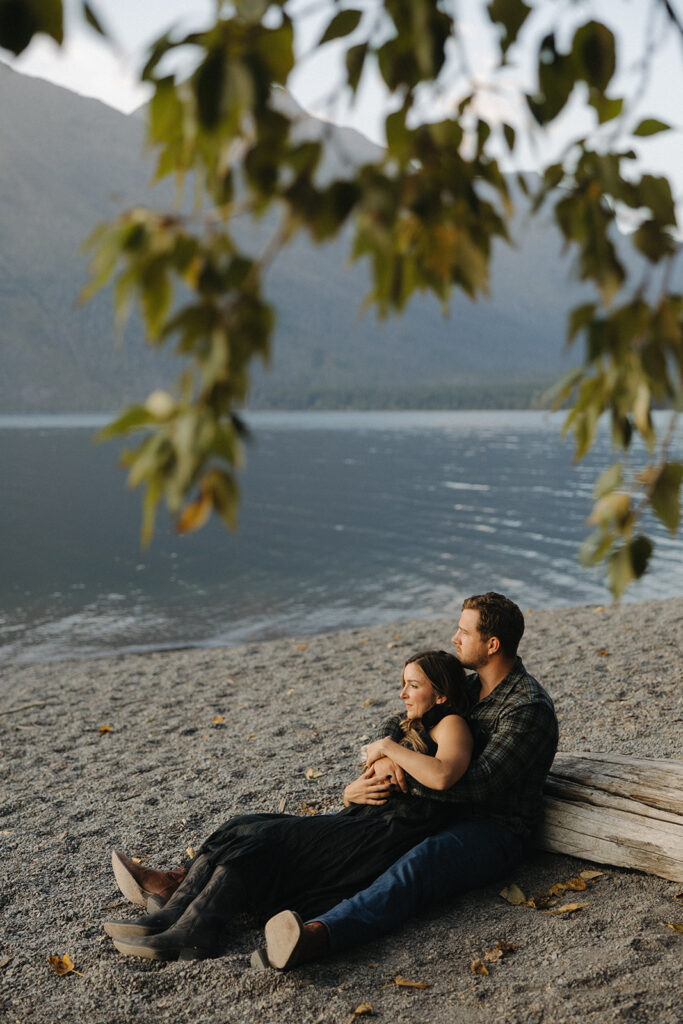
(568, 908)
(364, 640)
(105, 728)
(3, 963)
(252, 735)
(300, 647)
(191, 852)
(63, 965)
(290, 692)
(541, 901)
(313, 773)
(218, 720)
(401, 982)
(678, 897)
(556, 889)
(677, 926)
(308, 808)
(479, 967)
(604, 653)
(513, 894)
(599, 608)
(500, 950)
(397, 636)
(138, 860)
(576, 884)
(368, 702)
(590, 875)
(362, 1009)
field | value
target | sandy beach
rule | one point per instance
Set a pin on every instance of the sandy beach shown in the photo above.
(149, 753)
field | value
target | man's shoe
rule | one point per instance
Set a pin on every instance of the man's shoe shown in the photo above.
(290, 942)
(138, 883)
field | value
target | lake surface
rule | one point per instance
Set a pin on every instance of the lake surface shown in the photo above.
(347, 519)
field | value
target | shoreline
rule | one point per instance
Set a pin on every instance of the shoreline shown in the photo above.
(199, 733)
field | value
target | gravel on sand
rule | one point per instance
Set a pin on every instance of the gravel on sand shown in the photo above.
(149, 753)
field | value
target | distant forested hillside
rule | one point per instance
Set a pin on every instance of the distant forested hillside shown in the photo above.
(67, 163)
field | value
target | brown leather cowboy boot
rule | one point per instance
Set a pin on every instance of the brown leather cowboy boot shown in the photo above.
(138, 883)
(290, 942)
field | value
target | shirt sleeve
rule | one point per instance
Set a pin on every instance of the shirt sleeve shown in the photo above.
(524, 732)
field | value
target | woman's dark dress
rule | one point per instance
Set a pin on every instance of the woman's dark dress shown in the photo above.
(310, 864)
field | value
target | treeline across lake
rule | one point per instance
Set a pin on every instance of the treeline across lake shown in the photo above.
(476, 395)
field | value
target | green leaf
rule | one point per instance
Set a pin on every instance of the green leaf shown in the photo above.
(665, 497)
(510, 15)
(609, 480)
(209, 82)
(342, 24)
(20, 20)
(607, 109)
(628, 563)
(651, 126)
(594, 53)
(509, 133)
(579, 318)
(355, 59)
(134, 418)
(93, 20)
(654, 242)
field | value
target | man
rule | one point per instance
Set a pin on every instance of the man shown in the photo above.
(497, 804)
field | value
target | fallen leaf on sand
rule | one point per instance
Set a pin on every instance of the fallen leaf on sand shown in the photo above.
(599, 608)
(604, 653)
(313, 773)
(138, 860)
(364, 640)
(678, 897)
(590, 875)
(191, 852)
(401, 982)
(368, 702)
(479, 967)
(541, 901)
(308, 808)
(252, 735)
(105, 728)
(362, 1010)
(3, 963)
(290, 691)
(568, 908)
(300, 647)
(499, 951)
(513, 894)
(218, 720)
(577, 884)
(676, 926)
(63, 965)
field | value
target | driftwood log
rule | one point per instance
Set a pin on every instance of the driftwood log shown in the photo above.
(611, 809)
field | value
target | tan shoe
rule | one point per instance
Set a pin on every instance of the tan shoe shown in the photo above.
(138, 883)
(290, 942)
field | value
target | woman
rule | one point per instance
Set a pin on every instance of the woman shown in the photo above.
(266, 862)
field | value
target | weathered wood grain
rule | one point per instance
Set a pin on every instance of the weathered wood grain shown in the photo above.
(619, 810)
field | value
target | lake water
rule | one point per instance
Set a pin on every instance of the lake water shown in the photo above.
(347, 519)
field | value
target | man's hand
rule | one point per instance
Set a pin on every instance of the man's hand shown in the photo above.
(384, 768)
(368, 788)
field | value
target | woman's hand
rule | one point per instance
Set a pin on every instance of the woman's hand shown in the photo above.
(367, 789)
(374, 751)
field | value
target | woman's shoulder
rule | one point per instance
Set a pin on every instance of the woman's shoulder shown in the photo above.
(437, 714)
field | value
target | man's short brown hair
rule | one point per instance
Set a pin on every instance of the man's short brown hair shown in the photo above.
(499, 617)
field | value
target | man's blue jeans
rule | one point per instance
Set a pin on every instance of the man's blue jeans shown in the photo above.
(462, 856)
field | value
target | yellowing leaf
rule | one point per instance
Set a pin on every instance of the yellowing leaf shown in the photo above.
(568, 908)
(599, 608)
(362, 1009)
(191, 852)
(290, 692)
(218, 720)
(252, 735)
(676, 926)
(500, 950)
(3, 963)
(577, 884)
(604, 653)
(105, 728)
(513, 894)
(368, 702)
(300, 647)
(479, 967)
(63, 965)
(590, 875)
(308, 808)
(401, 982)
(678, 897)
(313, 773)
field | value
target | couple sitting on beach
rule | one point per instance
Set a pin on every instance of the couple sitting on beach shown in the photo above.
(449, 795)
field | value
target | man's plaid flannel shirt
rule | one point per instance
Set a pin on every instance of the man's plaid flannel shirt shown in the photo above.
(515, 739)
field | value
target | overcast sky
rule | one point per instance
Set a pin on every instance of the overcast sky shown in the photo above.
(88, 66)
